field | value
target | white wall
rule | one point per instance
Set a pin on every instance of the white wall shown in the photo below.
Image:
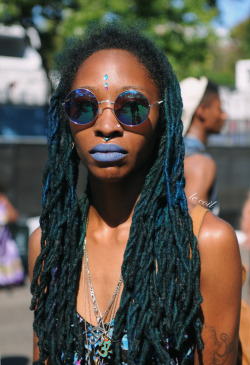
(23, 79)
(242, 75)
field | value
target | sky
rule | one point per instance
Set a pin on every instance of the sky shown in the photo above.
(233, 12)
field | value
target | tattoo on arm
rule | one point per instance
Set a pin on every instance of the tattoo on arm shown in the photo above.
(219, 348)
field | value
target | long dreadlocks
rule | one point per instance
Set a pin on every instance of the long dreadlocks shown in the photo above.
(161, 296)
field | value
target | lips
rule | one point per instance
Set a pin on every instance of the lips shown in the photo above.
(108, 152)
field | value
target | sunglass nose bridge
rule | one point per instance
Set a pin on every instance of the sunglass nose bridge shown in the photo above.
(106, 101)
(101, 109)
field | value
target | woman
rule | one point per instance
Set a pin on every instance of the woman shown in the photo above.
(11, 267)
(118, 278)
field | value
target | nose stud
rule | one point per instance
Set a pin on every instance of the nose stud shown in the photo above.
(106, 139)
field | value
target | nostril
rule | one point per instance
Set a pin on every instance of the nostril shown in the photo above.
(107, 137)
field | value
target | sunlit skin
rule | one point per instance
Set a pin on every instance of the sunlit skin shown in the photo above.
(208, 118)
(214, 116)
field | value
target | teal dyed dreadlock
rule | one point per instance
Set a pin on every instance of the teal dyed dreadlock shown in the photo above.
(154, 306)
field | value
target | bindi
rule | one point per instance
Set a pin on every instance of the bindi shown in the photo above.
(106, 84)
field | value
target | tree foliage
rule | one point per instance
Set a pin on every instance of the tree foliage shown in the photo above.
(241, 36)
(181, 27)
(226, 52)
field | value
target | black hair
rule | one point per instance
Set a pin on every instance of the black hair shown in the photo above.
(161, 296)
(211, 92)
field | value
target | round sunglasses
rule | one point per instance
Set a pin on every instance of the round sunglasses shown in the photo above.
(131, 107)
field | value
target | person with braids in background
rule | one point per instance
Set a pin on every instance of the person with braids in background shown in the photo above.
(118, 276)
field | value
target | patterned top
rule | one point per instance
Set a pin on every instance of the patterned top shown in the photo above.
(99, 348)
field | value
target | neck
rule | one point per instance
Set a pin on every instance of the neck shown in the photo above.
(198, 131)
(113, 203)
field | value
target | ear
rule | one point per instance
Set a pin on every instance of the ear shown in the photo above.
(201, 113)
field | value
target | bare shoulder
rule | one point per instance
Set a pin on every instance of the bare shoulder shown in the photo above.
(34, 241)
(219, 249)
(200, 163)
(216, 235)
(34, 249)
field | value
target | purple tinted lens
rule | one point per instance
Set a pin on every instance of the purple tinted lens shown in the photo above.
(131, 108)
(81, 106)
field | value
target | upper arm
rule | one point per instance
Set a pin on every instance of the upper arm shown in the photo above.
(200, 172)
(220, 284)
(34, 251)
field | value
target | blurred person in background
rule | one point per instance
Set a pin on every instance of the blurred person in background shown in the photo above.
(11, 268)
(245, 222)
(243, 236)
(202, 115)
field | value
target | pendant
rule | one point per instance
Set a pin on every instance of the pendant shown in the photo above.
(105, 348)
(97, 334)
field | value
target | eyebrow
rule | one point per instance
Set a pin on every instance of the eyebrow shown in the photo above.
(139, 88)
(129, 87)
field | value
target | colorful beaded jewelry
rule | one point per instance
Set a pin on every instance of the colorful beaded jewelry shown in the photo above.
(106, 84)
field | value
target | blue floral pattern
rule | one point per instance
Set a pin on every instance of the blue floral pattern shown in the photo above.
(99, 348)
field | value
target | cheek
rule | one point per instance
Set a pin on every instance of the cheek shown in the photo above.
(81, 145)
(144, 146)
(217, 113)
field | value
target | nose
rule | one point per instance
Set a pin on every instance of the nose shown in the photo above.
(106, 124)
(224, 115)
(223, 118)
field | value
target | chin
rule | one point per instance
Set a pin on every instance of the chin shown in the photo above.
(109, 175)
(111, 178)
(215, 131)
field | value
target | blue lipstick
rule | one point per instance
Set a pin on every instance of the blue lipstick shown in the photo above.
(107, 152)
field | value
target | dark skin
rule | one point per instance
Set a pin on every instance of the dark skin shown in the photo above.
(115, 189)
(200, 170)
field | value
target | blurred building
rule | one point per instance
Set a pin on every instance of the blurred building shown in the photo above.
(24, 98)
(24, 87)
(24, 92)
(236, 103)
(242, 72)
